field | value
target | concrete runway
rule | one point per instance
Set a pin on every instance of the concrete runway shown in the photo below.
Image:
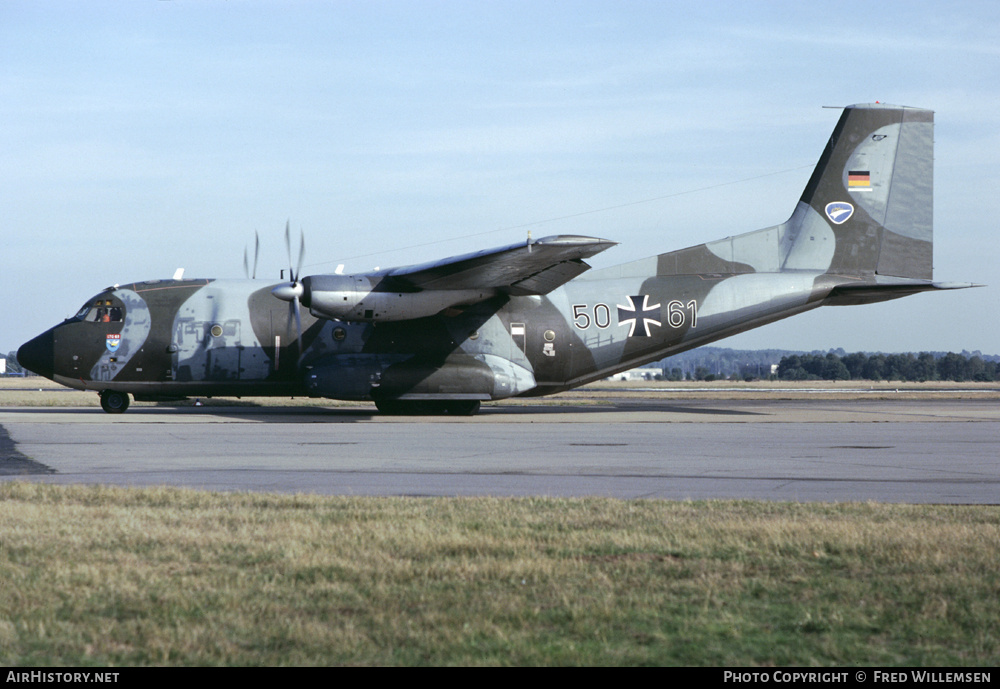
(922, 451)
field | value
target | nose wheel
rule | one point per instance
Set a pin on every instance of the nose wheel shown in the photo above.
(114, 402)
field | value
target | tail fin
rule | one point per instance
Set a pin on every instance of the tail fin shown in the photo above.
(866, 211)
(873, 189)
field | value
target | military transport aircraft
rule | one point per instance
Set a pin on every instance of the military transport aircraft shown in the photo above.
(520, 320)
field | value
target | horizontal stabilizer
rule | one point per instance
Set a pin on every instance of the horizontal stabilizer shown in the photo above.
(868, 293)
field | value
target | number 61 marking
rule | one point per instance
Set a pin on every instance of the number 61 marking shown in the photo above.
(677, 313)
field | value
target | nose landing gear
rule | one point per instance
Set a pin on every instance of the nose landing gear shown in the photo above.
(114, 402)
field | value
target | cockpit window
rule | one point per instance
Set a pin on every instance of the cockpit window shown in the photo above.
(101, 311)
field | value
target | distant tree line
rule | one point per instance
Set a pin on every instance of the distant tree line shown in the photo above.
(904, 367)
(718, 363)
(13, 368)
(711, 363)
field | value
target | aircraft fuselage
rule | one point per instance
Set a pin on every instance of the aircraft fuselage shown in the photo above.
(171, 339)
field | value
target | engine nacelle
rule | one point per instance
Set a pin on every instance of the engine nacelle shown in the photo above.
(372, 299)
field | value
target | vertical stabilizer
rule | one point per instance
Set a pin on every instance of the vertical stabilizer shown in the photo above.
(872, 194)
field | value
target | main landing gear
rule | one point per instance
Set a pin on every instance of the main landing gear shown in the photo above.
(114, 402)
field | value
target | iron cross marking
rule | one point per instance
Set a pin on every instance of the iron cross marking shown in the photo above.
(631, 315)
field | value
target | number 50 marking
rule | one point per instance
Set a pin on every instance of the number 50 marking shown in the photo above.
(582, 319)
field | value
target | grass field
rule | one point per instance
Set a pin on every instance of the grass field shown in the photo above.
(99, 576)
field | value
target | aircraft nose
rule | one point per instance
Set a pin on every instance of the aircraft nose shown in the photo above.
(38, 355)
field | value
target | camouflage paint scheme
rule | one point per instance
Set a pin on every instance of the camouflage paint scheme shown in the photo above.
(527, 319)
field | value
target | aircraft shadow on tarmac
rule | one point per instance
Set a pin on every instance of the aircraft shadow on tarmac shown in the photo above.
(14, 463)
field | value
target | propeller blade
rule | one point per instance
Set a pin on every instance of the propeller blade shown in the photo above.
(292, 291)
(288, 249)
(256, 257)
(295, 274)
(302, 254)
(289, 293)
(298, 328)
(256, 252)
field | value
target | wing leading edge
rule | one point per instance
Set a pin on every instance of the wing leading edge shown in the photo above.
(518, 269)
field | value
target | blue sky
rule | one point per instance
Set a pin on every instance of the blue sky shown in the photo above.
(140, 137)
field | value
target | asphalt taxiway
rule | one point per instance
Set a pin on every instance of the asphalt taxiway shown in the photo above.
(918, 451)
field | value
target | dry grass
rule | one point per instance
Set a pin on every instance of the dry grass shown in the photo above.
(111, 576)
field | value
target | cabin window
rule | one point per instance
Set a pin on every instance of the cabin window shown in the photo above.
(101, 311)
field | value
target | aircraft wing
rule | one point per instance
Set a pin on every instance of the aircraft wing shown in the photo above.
(519, 269)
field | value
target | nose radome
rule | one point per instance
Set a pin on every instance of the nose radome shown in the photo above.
(38, 355)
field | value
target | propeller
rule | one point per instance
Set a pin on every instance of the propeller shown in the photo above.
(292, 291)
(256, 254)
